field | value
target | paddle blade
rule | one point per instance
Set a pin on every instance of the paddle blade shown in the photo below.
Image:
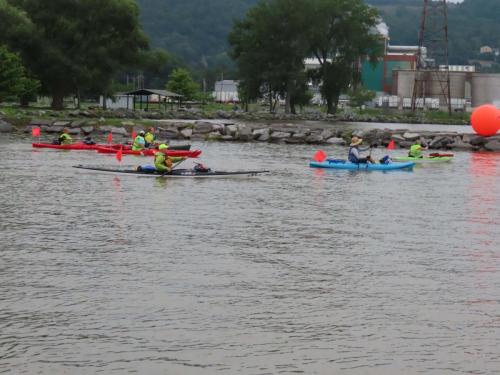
(320, 156)
(391, 145)
(35, 132)
(134, 134)
(110, 138)
(119, 155)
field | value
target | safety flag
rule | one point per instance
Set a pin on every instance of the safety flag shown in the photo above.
(119, 154)
(320, 156)
(35, 132)
(391, 145)
(134, 134)
(110, 138)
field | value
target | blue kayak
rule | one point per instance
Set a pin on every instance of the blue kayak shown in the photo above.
(343, 164)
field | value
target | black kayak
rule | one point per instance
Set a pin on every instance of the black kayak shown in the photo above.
(180, 147)
(177, 173)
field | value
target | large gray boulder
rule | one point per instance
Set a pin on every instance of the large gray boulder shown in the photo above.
(231, 130)
(475, 140)
(411, 136)
(170, 133)
(77, 124)
(202, 127)
(327, 133)
(74, 131)
(297, 138)
(213, 136)
(336, 141)
(218, 128)
(227, 138)
(5, 127)
(187, 133)
(315, 138)
(62, 123)
(492, 145)
(279, 136)
(114, 130)
(52, 129)
(261, 134)
(244, 133)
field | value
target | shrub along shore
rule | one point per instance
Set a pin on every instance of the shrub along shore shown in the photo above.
(234, 126)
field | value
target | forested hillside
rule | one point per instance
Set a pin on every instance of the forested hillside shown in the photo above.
(472, 24)
(197, 30)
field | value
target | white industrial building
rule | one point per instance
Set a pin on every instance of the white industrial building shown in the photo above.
(226, 91)
(467, 88)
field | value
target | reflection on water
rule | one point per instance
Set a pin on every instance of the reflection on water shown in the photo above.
(484, 192)
(302, 271)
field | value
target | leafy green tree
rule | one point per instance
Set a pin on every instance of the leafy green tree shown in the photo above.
(342, 33)
(181, 82)
(11, 73)
(14, 80)
(81, 45)
(360, 96)
(30, 88)
(269, 47)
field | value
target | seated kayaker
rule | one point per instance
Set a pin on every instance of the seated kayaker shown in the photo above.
(149, 137)
(416, 150)
(139, 142)
(163, 162)
(88, 141)
(354, 156)
(65, 138)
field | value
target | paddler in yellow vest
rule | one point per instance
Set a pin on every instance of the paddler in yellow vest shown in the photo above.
(163, 162)
(65, 138)
(150, 137)
(416, 150)
(139, 142)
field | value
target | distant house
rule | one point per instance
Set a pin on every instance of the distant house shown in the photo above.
(485, 49)
(226, 91)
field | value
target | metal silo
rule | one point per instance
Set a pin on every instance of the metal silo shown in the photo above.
(485, 88)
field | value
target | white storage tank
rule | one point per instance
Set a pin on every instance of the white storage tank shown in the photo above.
(485, 88)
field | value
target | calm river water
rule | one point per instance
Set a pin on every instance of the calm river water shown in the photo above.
(299, 271)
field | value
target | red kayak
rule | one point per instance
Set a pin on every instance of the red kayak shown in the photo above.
(129, 147)
(148, 152)
(73, 146)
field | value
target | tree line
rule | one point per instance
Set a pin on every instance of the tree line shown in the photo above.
(79, 48)
(271, 43)
(196, 30)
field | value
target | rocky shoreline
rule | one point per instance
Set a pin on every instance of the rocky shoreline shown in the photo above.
(228, 131)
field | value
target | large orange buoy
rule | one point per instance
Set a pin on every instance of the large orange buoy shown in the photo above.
(485, 120)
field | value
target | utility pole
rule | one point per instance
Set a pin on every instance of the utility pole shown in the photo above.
(432, 76)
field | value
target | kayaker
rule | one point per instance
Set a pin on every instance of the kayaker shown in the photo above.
(65, 138)
(88, 141)
(150, 137)
(163, 162)
(354, 156)
(416, 150)
(139, 142)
